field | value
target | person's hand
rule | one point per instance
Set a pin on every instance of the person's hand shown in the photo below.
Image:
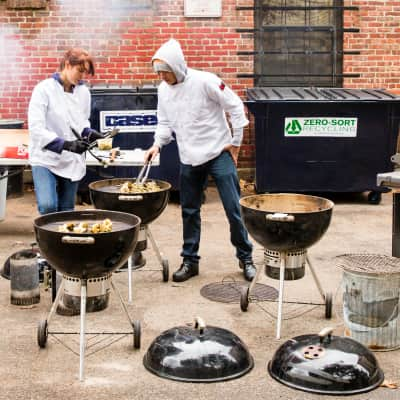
(94, 135)
(75, 146)
(151, 153)
(234, 152)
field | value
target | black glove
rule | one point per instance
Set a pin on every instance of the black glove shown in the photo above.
(76, 146)
(94, 135)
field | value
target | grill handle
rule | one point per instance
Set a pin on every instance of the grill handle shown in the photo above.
(199, 324)
(281, 217)
(130, 198)
(78, 239)
(325, 335)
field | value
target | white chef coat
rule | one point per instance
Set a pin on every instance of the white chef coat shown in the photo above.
(194, 109)
(52, 113)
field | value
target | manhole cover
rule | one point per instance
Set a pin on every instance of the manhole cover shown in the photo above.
(229, 292)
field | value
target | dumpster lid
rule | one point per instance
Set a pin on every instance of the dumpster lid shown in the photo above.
(309, 94)
(114, 89)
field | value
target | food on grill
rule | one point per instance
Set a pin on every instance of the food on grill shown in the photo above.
(133, 187)
(104, 144)
(84, 227)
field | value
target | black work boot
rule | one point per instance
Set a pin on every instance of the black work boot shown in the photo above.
(186, 271)
(249, 270)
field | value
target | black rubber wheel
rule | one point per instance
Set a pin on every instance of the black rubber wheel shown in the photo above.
(42, 333)
(244, 298)
(374, 197)
(137, 334)
(328, 305)
(165, 270)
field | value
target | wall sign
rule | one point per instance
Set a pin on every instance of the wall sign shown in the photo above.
(129, 121)
(201, 8)
(321, 126)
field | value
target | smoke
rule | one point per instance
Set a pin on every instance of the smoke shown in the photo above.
(10, 51)
(99, 26)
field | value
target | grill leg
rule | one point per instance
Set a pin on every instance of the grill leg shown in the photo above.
(154, 244)
(56, 300)
(280, 300)
(316, 280)
(82, 331)
(130, 261)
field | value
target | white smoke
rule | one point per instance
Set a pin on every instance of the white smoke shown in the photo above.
(95, 25)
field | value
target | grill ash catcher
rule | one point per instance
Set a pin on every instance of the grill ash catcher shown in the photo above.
(286, 225)
(86, 256)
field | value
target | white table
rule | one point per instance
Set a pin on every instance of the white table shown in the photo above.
(125, 159)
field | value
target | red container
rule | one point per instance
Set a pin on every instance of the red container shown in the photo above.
(14, 152)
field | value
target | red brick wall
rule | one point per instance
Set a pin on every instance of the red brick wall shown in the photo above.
(122, 38)
(378, 41)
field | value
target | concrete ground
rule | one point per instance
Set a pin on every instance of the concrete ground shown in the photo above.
(117, 372)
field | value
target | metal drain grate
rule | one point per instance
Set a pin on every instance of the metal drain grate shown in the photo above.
(369, 263)
(229, 292)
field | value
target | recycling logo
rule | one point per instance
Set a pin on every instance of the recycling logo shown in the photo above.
(293, 127)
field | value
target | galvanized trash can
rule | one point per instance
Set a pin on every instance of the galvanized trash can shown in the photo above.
(371, 299)
(24, 278)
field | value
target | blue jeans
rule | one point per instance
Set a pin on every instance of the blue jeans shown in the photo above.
(192, 182)
(53, 193)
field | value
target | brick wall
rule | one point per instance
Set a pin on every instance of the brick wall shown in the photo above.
(378, 42)
(123, 35)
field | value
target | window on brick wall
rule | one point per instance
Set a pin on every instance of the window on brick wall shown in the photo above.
(298, 43)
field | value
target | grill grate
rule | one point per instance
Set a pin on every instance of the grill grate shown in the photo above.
(229, 292)
(369, 263)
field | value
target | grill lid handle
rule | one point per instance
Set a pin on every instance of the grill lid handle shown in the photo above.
(199, 324)
(130, 198)
(324, 333)
(78, 239)
(281, 217)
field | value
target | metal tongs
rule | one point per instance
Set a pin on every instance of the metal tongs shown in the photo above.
(143, 174)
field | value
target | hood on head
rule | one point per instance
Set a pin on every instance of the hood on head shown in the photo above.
(171, 53)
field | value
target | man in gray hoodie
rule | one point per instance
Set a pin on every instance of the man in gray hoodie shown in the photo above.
(192, 104)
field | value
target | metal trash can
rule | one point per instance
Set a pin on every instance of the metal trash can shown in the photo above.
(371, 299)
(24, 278)
(323, 139)
(134, 111)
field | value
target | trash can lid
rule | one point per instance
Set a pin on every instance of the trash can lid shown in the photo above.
(369, 264)
(11, 123)
(309, 94)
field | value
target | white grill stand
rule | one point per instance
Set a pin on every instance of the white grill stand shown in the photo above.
(82, 343)
(280, 301)
(43, 331)
(246, 294)
(130, 279)
(163, 262)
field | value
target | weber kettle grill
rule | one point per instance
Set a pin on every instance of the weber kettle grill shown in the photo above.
(86, 256)
(148, 206)
(286, 225)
